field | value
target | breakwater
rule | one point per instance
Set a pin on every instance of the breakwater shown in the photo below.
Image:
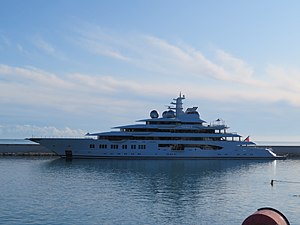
(24, 150)
(290, 150)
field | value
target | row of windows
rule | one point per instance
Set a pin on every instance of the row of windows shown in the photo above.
(114, 146)
(169, 130)
(159, 138)
(142, 146)
(125, 153)
(183, 146)
(171, 122)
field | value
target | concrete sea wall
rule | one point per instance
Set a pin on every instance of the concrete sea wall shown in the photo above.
(24, 149)
(291, 151)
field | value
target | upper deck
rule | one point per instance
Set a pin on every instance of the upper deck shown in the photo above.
(174, 121)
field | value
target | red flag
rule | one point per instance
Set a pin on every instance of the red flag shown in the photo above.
(247, 139)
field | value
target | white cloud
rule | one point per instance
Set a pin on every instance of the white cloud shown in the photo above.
(162, 57)
(48, 48)
(101, 42)
(237, 81)
(284, 78)
(173, 67)
(32, 76)
(239, 70)
(42, 44)
(225, 78)
(26, 131)
(101, 49)
(71, 92)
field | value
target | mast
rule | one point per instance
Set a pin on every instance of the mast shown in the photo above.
(178, 105)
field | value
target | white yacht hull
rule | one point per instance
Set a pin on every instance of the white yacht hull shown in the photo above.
(94, 148)
(177, 134)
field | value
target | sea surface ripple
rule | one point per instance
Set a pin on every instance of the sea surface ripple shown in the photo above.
(47, 190)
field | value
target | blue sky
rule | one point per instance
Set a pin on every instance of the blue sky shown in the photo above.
(71, 67)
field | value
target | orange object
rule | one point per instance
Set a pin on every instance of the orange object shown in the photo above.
(266, 216)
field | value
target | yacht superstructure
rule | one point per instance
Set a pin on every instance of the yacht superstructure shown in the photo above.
(176, 134)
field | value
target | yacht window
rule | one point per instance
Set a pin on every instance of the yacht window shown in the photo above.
(114, 146)
(92, 146)
(124, 146)
(142, 146)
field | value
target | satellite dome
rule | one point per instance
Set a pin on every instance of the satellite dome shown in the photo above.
(154, 114)
(168, 114)
(164, 115)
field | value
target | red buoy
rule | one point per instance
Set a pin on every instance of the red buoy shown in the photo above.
(266, 216)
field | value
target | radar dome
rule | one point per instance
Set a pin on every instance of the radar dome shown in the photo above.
(164, 115)
(168, 114)
(154, 114)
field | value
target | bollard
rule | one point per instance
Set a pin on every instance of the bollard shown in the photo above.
(266, 216)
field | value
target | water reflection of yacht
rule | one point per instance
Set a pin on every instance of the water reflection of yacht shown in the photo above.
(145, 169)
(176, 134)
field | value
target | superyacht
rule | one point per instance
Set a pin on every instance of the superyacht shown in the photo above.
(176, 134)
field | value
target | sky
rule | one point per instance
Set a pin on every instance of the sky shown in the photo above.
(69, 67)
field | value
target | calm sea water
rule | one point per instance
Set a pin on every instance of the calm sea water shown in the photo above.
(37, 190)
